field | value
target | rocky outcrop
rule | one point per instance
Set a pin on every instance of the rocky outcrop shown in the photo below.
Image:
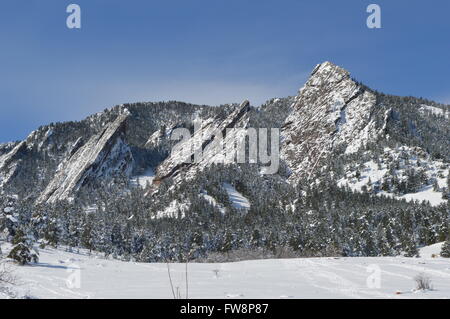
(331, 112)
(203, 141)
(9, 162)
(104, 155)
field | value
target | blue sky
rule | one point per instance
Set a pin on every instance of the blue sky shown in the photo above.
(207, 51)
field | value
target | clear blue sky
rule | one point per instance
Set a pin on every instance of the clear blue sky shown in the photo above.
(207, 51)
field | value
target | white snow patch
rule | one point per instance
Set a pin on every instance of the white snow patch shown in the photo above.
(425, 194)
(432, 251)
(173, 210)
(237, 199)
(12, 218)
(434, 110)
(372, 174)
(144, 179)
(213, 202)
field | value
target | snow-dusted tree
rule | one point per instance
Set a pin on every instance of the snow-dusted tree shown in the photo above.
(445, 251)
(51, 233)
(227, 243)
(448, 180)
(23, 251)
(446, 193)
(436, 187)
(411, 248)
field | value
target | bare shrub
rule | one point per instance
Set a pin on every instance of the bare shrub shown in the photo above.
(176, 291)
(6, 275)
(7, 280)
(423, 282)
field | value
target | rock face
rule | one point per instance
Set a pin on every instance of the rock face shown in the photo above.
(8, 162)
(331, 112)
(204, 140)
(104, 154)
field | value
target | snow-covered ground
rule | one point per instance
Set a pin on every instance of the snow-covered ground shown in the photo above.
(60, 274)
(212, 201)
(435, 110)
(373, 173)
(237, 199)
(173, 210)
(426, 193)
(144, 179)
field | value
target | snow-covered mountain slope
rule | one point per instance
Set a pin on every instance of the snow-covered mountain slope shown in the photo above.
(405, 173)
(331, 112)
(330, 123)
(333, 115)
(61, 274)
(55, 157)
(437, 111)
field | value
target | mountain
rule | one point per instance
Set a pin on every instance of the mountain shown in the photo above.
(332, 114)
(354, 165)
(57, 159)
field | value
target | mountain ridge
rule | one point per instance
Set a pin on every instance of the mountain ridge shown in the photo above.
(355, 163)
(332, 116)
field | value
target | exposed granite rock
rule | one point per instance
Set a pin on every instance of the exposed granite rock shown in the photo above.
(105, 154)
(9, 162)
(330, 112)
(202, 141)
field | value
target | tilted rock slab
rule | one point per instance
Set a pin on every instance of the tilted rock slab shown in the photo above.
(104, 154)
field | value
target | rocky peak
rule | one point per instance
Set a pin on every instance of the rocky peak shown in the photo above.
(331, 112)
(327, 73)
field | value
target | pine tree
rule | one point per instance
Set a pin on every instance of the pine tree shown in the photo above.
(86, 237)
(446, 195)
(411, 249)
(22, 251)
(448, 180)
(52, 233)
(436, 187)
(445, 251)
(227, 244)
(256, 236)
